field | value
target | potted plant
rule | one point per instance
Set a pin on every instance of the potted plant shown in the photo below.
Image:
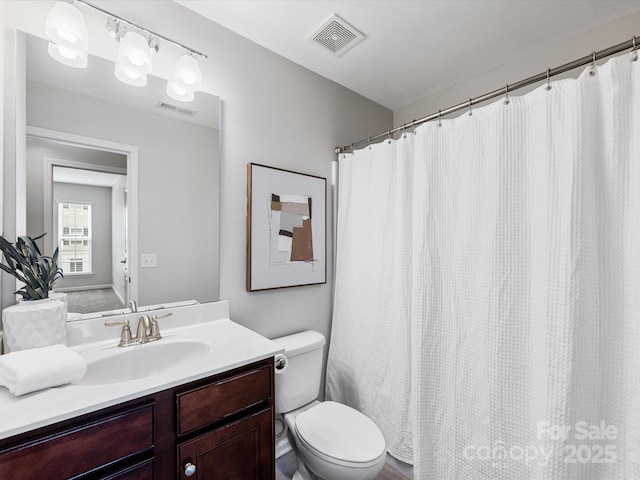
(26, 263)
(38, 320)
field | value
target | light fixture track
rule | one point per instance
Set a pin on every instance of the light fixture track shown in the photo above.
(140, 27)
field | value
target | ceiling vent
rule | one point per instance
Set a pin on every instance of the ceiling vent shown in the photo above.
(173, 108)
(336, 36)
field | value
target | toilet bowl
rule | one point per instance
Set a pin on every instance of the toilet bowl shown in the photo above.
(332, 441)
(336, 442)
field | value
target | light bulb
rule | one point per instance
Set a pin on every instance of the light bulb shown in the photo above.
(188, 78)
(178, 93)
(68, 56)
(137, 60)
(131, 74)
(130, 77)
(67, 35)
(67, 52)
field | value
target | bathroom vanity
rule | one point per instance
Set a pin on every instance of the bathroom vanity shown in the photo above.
(212, 418)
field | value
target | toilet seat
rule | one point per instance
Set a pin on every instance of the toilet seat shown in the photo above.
(341, 435)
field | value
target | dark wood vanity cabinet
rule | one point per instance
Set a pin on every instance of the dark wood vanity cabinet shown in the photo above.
(221, 427)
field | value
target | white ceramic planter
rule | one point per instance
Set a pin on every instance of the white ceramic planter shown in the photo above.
(34, 324)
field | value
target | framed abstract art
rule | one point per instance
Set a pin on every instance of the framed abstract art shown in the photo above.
(286, 228)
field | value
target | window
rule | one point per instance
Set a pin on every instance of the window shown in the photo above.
(74, 237)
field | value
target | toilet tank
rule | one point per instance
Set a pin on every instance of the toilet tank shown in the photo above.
(299, 383)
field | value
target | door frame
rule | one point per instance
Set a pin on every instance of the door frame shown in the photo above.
(131, 151)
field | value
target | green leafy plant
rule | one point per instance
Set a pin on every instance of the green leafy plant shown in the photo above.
(25, 262)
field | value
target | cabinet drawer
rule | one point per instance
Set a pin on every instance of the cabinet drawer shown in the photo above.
(81, 449)
(139, 471)
(206, 405)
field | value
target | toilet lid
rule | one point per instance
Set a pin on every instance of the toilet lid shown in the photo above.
(340, 432)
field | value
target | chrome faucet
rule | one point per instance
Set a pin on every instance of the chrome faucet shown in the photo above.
(148, 329)
(125, 337)
(143, 329)
(133, 306)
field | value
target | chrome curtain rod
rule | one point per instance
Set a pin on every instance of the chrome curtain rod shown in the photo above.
(551, 72)
(140, 27)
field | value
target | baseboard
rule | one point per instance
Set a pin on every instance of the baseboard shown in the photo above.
(117, 294)
(79, 289)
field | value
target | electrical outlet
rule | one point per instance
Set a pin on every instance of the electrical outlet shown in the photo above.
(148, 260)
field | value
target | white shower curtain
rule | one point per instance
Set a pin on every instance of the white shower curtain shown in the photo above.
(487, 307)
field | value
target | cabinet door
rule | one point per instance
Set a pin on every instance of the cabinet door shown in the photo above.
(242, 450)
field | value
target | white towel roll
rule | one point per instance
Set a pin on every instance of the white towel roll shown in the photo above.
(26, 371)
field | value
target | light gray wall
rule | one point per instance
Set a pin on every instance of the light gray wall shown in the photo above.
(100, 199)
(177, 186)
(529, 63)
(276, 113)
(37, 151)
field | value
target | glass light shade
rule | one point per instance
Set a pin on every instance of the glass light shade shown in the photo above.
(134, 53)
(187, 74)
(178, 93)
(68, 56)
(130, 77)
(65, 26)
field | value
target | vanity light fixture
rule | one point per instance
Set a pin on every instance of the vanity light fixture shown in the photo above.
(67, 33)
(68, 43)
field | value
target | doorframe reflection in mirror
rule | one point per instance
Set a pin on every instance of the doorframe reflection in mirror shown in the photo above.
(131, 152)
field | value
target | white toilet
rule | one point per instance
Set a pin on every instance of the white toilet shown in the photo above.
(332, 441)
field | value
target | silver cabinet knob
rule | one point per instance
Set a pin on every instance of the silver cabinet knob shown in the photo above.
(189, 469)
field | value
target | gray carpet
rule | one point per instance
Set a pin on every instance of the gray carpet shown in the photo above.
(88, 301)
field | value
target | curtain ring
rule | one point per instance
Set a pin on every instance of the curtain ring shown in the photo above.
(404, 130)
(470, 112)
(506, 94)
(389, 135)
(369, 140)
(548, 87)
(439, 118)
(634, 51)
(592, 72)
(413, 125)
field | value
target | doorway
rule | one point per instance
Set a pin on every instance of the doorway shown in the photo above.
(87, 205)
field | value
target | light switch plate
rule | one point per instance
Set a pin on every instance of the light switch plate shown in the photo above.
(148, 260)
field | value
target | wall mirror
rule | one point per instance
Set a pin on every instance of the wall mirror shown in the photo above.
(124, 180)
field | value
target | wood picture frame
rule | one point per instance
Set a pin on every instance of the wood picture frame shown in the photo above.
(286, 228)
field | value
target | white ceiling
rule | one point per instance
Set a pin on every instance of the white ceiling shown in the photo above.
(413, 49)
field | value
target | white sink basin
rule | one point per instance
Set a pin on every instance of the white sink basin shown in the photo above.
(116, 365)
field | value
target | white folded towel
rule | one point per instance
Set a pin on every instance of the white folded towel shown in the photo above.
(26, 371)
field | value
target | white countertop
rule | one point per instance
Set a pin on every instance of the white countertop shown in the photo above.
(230, 345)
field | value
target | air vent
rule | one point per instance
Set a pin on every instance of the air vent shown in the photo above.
(336, 36)
(176, 109)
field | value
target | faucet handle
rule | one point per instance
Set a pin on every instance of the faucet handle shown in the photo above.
(154, 330)
(125, 337)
